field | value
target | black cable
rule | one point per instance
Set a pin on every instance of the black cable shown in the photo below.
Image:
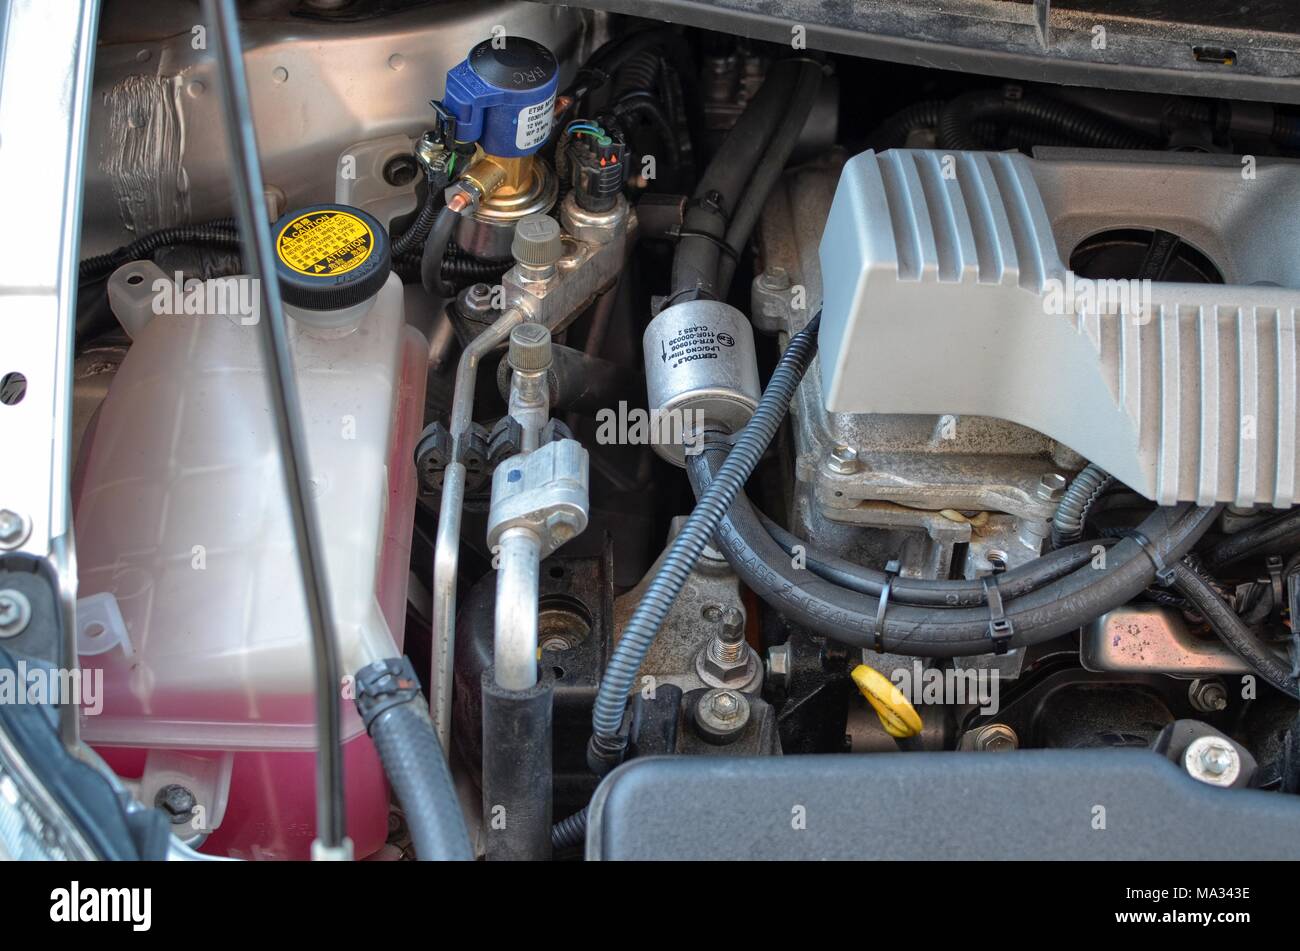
(924, 592)
(1244, 642)
(850, 617)
(645, 104)
(435, 249)
(221, 233)
(571, 832)
(962, 114)
(413, 237)
(1279, 534)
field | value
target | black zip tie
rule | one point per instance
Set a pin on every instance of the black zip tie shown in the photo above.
(891, 572)
(1273, 564)
(1164, 573)
(1000, 627)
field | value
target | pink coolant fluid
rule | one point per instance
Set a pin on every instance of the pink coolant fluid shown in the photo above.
(186, 548)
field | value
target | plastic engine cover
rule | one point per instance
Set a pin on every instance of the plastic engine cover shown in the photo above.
(946, 292)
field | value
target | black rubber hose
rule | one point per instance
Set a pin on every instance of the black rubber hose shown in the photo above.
(924, 592)
(1072, 512)
(435, 249)
(770, 168)
(607, 745)
(1280, 535)
(894, 131)
(850, 617)
(417, 770)
(570, 833)
(396, 716)
(1244, 642)
(517, 773)
(962, 114)
(695, 263)
(221, 233)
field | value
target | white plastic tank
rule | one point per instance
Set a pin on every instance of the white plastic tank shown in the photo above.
(181, 517)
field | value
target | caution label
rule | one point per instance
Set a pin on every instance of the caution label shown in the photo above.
(325, 243)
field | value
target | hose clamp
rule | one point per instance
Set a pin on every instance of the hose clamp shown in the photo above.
(892, 569)
(383, 685)
(1001, 629)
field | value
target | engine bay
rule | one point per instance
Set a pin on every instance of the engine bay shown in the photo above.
(528, 432)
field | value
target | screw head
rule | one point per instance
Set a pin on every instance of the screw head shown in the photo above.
(725, 705)
(177, 801)
(997, 738)
(1216, 760)
(13, 529)
(721, 715)
(15, 612)
(1213, 760)
(843, 460)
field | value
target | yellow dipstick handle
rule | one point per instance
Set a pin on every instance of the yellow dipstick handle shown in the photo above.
(897, 715)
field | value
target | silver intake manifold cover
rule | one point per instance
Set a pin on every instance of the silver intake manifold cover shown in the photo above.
(946, 292)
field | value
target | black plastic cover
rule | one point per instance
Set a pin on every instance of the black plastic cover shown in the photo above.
(1031, 804)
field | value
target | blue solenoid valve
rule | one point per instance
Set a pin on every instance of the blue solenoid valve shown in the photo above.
(502, 96)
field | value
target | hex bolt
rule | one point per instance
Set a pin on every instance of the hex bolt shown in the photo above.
(13, 529)
(476, 303)
(721, 715)
(778, 665)
(15, 612)
(725, 705)
(1215, 759)
(177, 801)
(1207, 696)
(1212, 760)
(996, 738)
(843, 460)
(1051, 487)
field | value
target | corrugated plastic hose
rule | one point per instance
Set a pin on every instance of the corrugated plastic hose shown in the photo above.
(607, 745)
(1072, 512)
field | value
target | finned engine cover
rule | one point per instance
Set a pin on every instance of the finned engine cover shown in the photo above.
(946, 292)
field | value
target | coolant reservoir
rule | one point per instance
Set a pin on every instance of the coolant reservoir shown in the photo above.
(190, 586)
